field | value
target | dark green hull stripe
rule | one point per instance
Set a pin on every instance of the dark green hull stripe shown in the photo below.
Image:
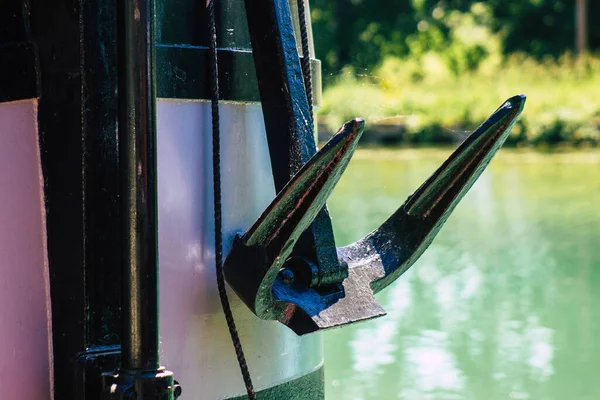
(307, 387)
(182, 73)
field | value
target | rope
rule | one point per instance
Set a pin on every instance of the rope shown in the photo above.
(216, 153)
(305, 63)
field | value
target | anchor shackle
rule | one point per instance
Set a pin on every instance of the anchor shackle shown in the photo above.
(286, 266)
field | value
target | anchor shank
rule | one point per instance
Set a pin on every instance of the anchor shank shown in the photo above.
(287, 120)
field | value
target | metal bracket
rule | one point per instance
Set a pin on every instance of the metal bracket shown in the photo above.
(89, 368)
(157, 385)
(96, 379)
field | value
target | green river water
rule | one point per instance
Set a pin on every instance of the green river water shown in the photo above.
(505, 304)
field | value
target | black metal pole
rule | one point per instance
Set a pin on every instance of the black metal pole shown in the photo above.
(137, 156)
(140, 376)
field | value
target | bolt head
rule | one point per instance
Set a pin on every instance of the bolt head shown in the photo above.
(287, 276)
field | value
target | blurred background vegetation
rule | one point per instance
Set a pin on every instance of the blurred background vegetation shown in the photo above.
(429, 71)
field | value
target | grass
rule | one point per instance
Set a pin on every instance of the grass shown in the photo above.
(431, 105)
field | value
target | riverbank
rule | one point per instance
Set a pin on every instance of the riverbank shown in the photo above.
(508, 155)
(411, 103)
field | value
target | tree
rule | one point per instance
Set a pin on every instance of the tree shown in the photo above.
(362, 32)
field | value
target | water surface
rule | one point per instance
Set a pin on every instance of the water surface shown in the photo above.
(505, 304)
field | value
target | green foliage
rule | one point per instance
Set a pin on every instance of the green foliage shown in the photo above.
(438, 68)
(363, 33)
(435, 99)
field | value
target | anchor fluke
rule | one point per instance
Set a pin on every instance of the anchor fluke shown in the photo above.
(257, 256)
(446, 187)
(399, 242)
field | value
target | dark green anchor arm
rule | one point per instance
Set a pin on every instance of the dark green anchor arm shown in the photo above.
(394, 247)
(266, 246)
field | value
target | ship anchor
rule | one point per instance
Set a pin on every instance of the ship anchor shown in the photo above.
(286, 266)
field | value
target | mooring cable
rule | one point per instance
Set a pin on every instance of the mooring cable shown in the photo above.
(216, 153)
